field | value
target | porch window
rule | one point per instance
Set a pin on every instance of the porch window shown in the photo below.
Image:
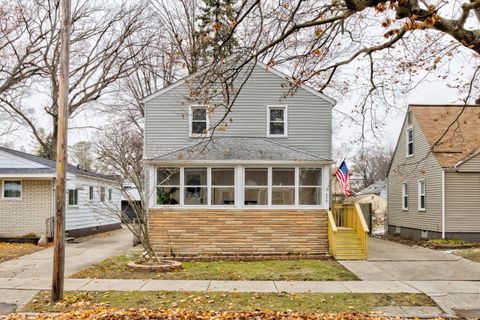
(196, 187)
(405, 196)
(421, 195)
(223, 186)
(256, 186)
(277, 121)
(73, 197)
(283, 186)
(310, 186)
(168, 186)
(198, 121)
(12, 189)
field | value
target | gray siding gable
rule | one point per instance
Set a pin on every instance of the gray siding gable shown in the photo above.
(309, 116)
(422, 165)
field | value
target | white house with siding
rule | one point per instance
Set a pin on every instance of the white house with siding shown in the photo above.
(259, 186)
(434, 178)
(27, 205)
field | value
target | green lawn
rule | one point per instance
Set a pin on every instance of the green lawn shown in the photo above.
(321, 270)
(305, 302)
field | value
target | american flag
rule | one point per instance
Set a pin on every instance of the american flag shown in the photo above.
(342, 176)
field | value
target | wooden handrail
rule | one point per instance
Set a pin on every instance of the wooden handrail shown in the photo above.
(332, 231)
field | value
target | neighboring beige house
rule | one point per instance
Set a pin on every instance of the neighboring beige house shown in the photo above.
(434, 178)
(27, 185)
(376, 195)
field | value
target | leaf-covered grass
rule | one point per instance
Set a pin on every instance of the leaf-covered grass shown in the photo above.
(233, 301)
(10, 251)
(470, 254)
(320, 270)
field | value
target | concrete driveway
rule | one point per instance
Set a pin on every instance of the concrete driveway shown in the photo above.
(78, 255)
(389, 260)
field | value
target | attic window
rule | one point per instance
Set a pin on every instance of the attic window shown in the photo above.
(409, 142)
(277, 121)
(198, 121)
(409, 117)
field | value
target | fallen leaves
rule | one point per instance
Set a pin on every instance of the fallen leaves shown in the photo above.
(104, 313)
(10, 251)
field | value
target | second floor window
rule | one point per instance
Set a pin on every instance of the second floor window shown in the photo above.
(421, 195)
(102, 194)
(90, 193)
(198, 120)
(409, 142)
(277, 121)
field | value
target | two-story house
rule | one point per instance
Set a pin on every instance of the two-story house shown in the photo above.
(434, 177)
(260, 186)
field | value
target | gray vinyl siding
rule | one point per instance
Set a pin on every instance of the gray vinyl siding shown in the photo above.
(309, 117)
(420, 166)
(471, 165)
(462, 202)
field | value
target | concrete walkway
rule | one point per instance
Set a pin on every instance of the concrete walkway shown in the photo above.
(21, 278)
(389, 260)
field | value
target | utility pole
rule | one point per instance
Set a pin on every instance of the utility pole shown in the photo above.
(60, 184)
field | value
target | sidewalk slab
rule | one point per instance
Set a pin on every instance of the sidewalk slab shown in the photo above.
(446, 286)
(408, 312)
(176, 285)
(310, 286)
(242, 286)
(114, 285)
(457, 303)
(378, 287)
(12, 299)
(36, 284)
(76, 284)
(11, 283)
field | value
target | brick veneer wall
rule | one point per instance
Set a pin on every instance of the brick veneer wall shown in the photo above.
(26, 215)
(238, 232)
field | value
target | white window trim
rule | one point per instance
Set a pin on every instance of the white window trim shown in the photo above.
(184, 186)
(190, 119)
(68, 199)
(211, 187)
(321, 187)
(285, 121)
(294, 186)
(269, 188)
(409, 128)
(420, 181)
(12, 198)
(405, 183)
(156, 186)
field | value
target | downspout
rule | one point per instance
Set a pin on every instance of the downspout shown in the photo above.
(443, 204)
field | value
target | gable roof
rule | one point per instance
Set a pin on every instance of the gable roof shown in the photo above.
(49, 165)
(238, 148)
(258, 63)
(379, 188)
(458, 139)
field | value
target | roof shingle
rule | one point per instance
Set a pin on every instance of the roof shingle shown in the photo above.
(453, 130)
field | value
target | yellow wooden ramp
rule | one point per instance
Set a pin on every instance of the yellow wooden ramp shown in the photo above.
(347, 233)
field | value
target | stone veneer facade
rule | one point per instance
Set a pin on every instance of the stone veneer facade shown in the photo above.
(19, 217)
(238, 232)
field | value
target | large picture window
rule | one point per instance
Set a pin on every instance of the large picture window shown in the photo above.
(12, 189)
(256, 186)
(223, 186)
(310, 186)
(198, 120)
(283, 186)
(196, 188)
(168, 186)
